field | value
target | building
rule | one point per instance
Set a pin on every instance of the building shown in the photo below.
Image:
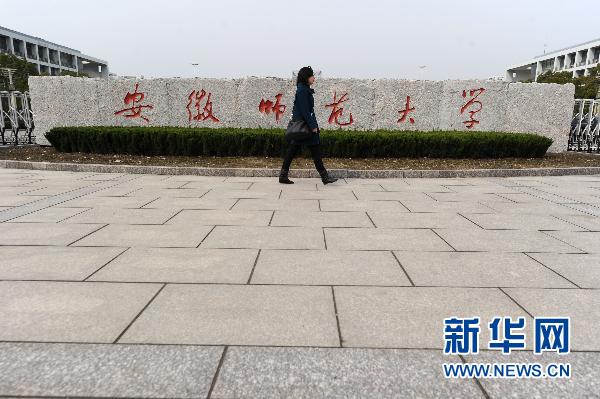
(50, 58)
(577, 59)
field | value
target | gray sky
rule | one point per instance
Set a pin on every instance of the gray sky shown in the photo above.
(367, 39)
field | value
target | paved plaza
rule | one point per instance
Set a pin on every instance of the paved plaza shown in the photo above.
(120, 285)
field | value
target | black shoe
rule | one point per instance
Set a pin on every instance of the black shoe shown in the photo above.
(326, 179)
(283, 177)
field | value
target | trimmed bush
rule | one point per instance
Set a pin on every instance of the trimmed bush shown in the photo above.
(271, 142)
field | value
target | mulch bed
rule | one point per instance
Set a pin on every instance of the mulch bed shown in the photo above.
(49, 154)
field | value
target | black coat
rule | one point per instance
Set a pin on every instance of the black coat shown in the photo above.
(304, 109)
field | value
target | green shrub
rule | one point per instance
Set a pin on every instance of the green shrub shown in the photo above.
(271, 142)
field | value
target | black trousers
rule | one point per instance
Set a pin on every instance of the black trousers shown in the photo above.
(294, 149)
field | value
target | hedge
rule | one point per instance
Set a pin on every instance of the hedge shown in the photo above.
(271, 142)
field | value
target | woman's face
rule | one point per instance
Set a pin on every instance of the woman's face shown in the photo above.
(311, 80)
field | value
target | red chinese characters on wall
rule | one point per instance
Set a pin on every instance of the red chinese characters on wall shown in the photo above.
(337, 110)
(268, 106)
(135, 110)
(473, 105)
(404, 113)
(200, 113)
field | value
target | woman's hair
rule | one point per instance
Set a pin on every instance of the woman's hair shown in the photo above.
(303, 74)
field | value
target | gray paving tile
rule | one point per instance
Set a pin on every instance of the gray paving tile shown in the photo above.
(412, 317)
(478, 269)
(412, 220)
(145, 236)
(49, 215)
(43, 233)
(384, 239)
(221, 217)
(588, 222)
(361, 205)
(329, 267)
(17, 200)
(503, 221)
(183, 265)
(391, 195)
(453, 207)
(336, 373)
(52, 263)
(584, 381)
(108, 202)
(238, 315)
(321, 219)
(253, 204)
(582, 306)
(123, 216)
(69, 311)
(86, 370)
(191, 203)
(586, 241)
(265, 237)
(582, 269)
(476, 239)
(320, 195)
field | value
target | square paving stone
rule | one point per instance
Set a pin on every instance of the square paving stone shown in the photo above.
(321, 219)
(384, 239)
(582, 306)
(69, 311)
(584, 381)
(412, 220)
(587, 241)
(52, 263)
(413, 317)
(221, 217)
(145, 236)
(328, 268)
(183, 265)
(265, 237)
(123, 216)
(103, 370)
(362, 205)
(478, 269)
(43, 233)
(238, 315)
(250, 372)
(582, 269)
(476, 239)
(520, 222)
(49, 215)
(253, 204)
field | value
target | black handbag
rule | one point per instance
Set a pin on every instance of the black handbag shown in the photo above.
(297, 130)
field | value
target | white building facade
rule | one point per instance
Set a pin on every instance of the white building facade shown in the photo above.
(48, 57)
(578, 60)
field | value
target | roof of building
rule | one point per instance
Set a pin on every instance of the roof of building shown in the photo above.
(567, 48)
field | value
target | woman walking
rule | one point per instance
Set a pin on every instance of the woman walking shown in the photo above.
(304, 109)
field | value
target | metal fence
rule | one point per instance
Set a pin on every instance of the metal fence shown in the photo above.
(16, 118)
(585, 126)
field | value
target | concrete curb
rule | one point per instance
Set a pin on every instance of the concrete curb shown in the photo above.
(255, 172)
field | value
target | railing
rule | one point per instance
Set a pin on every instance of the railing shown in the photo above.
(16, 118)
(585, 126)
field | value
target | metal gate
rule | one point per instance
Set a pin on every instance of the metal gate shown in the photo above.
(585, 126)
(16, 118)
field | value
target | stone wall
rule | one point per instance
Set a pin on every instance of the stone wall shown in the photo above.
(358, 104)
